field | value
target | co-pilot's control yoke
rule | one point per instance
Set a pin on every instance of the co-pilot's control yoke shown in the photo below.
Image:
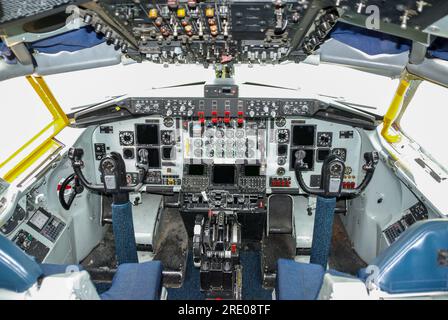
(332, 175)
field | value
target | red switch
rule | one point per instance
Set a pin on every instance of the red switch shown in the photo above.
(202, 120)
(215, 113)
(201, 114)
(240, 114)
(240, 121)
(227, 120)
(215, 120)
(233, 247)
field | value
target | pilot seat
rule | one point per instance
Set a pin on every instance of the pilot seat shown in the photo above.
(21, 274)
(417, 263)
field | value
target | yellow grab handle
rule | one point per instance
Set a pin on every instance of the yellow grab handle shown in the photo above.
(392, 112)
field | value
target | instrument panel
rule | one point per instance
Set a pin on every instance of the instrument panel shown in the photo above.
(228, 156)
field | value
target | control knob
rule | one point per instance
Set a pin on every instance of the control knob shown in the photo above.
(251, 113)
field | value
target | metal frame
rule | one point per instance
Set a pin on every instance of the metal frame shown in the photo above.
(60, 121)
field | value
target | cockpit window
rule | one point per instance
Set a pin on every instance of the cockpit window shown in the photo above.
(425, 120)
(23, 116)
(89, 86)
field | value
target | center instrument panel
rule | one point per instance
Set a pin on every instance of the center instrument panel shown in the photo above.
(225, 152)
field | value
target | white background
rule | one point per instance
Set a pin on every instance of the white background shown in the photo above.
(23, 114)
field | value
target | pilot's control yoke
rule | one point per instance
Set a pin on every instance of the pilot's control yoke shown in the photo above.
(113, 176)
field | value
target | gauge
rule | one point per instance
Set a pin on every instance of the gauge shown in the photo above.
(197, 143)
(280, 122)
(108, 166)
(126, 138)
(341, 153)
(336, 169)
(230, 134)
(168, 122)
(324, 139)
(283, 136)
(281, 161)
(280, 171)
(219, 133)
(167, 137)
(239, 133)
(348, 170)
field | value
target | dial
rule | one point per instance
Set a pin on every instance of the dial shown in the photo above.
(126, 138)
(168, 122)
(283, 136)
(280, 122)
(348, 170)
(336, 169)
(239, 133)
(108, 166)
(167, 137)
(324, 139)
(341, 153)
(281, 161)
(280, 171)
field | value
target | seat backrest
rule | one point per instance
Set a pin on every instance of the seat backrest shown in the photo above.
(18, 271)
(416, 262)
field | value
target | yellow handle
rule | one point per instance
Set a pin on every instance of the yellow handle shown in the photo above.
(392, 112)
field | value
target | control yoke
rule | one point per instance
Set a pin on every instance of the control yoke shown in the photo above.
(113, 172)
(332, 175)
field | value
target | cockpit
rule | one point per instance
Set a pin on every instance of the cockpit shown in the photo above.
(224, 189)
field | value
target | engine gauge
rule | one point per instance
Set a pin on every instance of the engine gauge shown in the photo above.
(167, 137)
(341, 153)
(126, 138)
(280, 122)
(168, 122)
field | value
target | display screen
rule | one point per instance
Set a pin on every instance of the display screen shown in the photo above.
(168, 153)
(147, 134)
(224, 174)
(39, 219)
(322, 154)
(154, 158)
(303, 135)
(251, 171)
(196, 169)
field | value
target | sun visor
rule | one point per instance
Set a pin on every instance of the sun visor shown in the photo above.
(71, 41)
(369, 41)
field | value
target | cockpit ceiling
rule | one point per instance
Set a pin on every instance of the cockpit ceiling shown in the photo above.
(370, 35)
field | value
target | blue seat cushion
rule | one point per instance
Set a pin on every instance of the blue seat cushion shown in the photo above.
(50, 269)
(298, 281)
(414, 262)
(136, 281)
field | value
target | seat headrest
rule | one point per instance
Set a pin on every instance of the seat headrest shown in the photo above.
(18, 271)
(416, 262)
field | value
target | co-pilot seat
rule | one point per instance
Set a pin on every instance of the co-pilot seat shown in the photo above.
(19, 273)
(414, 264)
